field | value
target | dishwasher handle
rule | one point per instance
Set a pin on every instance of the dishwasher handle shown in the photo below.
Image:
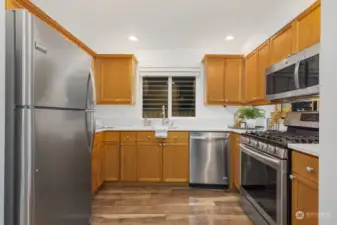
(208, 138)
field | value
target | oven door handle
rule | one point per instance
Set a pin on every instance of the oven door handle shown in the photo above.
(260, 156)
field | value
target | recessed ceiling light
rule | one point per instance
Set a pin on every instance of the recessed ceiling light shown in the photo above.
(229, 38)
(133, 38)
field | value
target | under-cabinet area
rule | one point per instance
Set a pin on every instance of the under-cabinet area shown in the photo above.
(139, 158)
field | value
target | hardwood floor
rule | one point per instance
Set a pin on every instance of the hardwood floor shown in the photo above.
(166, 206)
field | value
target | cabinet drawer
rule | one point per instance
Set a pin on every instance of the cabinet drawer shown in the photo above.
(177, 136)
(128, 136)
(146, 136)
(305, 166)
(111, 136)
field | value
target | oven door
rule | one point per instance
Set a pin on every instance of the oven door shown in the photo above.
(264, 184)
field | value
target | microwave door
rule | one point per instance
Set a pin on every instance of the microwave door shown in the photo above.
(281, 83)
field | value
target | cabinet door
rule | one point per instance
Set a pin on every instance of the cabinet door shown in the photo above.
(309, 27)
(128, 162)
(176, 162)
(237, 161)
(304, 199)
(149, 162)
(112, 157)
(282, 44)
(114, 80)
(94, 173)
(251, 77)
(101, 164)
(233, 75)
(214, 70)
(13, 4)
(263, 63)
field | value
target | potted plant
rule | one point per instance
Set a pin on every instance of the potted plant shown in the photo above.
(249, 115)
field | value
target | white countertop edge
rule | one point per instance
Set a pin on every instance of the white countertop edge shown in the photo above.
(238, 131)
(311, 149)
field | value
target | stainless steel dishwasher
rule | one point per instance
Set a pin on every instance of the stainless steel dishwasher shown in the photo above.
(209, 159)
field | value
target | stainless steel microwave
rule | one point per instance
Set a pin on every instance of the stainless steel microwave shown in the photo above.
(295, 77)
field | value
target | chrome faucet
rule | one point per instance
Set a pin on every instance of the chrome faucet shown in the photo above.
(164, 120)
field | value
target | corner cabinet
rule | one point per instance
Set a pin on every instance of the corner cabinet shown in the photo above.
(223, 79)
(115, 77)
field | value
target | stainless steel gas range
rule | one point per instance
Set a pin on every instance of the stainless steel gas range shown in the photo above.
(265, 168)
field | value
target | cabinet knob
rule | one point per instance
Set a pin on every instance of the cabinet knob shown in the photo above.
(292, 177)
(127, 137)
(164, 144)
(121, 144)
(149, 137)
(159, 144)
(309, 169)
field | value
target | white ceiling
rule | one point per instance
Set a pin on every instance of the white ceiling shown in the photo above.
(104, 25)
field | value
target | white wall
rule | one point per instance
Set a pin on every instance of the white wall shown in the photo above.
(210, 116)
(328, 106)
(2, 107)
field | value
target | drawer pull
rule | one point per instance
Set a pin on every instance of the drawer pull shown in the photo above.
(127, 137)
(149, 137)
(292, 177)
(159, 144)
(309, 169)
(121, 144)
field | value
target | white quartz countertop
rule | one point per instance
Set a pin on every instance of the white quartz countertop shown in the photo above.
(311, 149)
(142, 128)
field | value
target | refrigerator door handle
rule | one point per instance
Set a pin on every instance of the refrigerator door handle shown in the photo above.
(92, 99)
(92, 130)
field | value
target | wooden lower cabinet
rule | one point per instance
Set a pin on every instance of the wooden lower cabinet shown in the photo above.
(149, 162)
(128, 162)
(94, 174)
(112, 160)
(234, 146)
(176, 162)
(304, 199)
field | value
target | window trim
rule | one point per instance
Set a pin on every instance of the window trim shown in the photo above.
(169, 99)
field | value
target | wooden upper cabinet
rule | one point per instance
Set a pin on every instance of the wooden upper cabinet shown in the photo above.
(223, 78)
(282, 44)
(233, 81)
(263, 62)
(115, 79)
(176, 162)
(215, 80)
(13, 4)
(251, 77)
(308, 26)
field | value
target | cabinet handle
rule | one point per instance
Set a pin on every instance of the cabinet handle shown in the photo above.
(159, 144)
(164, 144)
(292, 177)
(127, 137)
(309, 169)
(149, 137)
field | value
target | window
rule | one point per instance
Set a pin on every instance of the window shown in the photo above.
(176, 94)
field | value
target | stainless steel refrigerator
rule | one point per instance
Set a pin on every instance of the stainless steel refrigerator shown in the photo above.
(50, 124)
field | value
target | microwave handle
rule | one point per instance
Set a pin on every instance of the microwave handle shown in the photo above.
(297, 79)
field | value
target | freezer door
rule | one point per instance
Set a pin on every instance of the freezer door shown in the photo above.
(52, 71)
(60, 161)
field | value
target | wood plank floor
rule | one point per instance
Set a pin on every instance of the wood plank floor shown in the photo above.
(166, 206)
